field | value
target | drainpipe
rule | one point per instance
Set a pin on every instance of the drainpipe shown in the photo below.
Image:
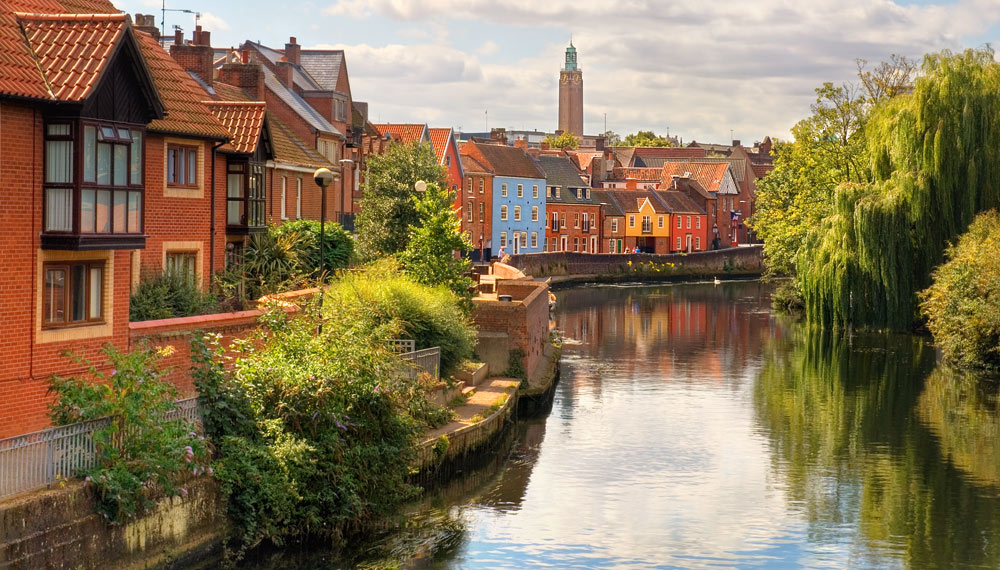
(211, 221)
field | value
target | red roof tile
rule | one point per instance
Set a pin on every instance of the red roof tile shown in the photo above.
(89, 7)
(644, 174)
(72, 50)
(244, 121)
(439, 141)
(289, 149)
(403, 132)
(709, 174)
(182, 96)
(224, 92)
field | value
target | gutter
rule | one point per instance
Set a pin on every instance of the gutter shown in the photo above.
(211, 223)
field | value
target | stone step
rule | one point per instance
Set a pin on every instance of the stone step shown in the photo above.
(468, 391)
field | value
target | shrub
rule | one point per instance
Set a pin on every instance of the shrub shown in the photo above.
(432, 316)
(338, 247)
(313, 424)
(169, 295)
(142, 453)
(962, 305)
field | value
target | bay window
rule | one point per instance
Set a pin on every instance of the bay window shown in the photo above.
(245, 196)
(96, 204)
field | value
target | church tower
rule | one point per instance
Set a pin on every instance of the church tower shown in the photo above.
(571, 95)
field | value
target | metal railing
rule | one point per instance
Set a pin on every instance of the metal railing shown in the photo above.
(427, 360)
(402, 346)
(40, 458)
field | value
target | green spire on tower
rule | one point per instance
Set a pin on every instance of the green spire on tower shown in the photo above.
(570, 56)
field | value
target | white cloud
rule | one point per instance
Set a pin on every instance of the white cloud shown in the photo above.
(701, 69)
(210, 21)
(357, 9)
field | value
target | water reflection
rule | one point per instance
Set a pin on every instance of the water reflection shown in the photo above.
(693, 429)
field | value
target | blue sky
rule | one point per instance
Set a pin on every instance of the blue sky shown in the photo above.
(701, 69)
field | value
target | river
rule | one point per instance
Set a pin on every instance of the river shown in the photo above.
(693, 428)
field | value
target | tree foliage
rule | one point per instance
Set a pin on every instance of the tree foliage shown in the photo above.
(430, 256)
(962, 305)
(565, 139)
(646, 138)
(387, 206)
(611, 138)
(932, 158)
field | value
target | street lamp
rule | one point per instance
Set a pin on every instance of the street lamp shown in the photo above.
(343, 214)
(420, 186)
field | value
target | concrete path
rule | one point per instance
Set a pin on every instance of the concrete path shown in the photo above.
(491, 391)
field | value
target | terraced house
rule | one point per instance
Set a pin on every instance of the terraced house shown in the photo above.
(572, 215)
(518, 224)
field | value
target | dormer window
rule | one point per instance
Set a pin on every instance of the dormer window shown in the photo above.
(103, 209)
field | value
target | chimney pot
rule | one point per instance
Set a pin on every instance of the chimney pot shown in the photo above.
(178, 37)
(245, 56)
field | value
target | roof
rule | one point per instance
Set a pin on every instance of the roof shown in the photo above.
(761, 170)
(439, 141)
(584, 159)
(709, 174)
(299, 105)
(608, 202)
(470, 164)
(642, 174)
(301, 78)
(182, 96)
(559, 171)
(679, 203)
(323, 65)
(509, 161)
(404, 132)
(692, 185)
(289, 149)
(89, 7)
(642, 153)
(226, 92)
(243, 119)
(631, 201)
(623, 154)
(738, 169)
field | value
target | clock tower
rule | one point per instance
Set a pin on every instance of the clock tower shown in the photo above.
(571, 95)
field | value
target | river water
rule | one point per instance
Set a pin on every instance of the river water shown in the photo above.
(692, 428)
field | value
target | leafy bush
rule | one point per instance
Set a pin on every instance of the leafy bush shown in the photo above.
(338, 247)
(962, 305)
(142, 454)
(169, 295)
(432, 316)
(313, 423)
(430, 254)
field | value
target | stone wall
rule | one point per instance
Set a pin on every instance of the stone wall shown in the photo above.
(721, 263)
(525, 319)
(58, 529)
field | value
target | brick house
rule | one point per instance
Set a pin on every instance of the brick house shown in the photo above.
(572, 215)
(76, 102)
(706, 201)
(717, 178)
(612, 220)
(688, 222)
(477, 215)
(446, 148)
(518, 224)
(404, 132)
(647, 220)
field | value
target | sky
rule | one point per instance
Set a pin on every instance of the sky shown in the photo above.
(706, 71)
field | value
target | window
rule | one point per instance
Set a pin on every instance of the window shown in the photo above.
(524, 239)
(697, 222)
(678, 222)
(659, 221)
(611, 246)
(298, 198)
(534, 239)
(470, 210)
(586, 222)
(562, 221)
(534, 191)
(245, 194)
(517, 213)
(576, 244)
(108, 196)
(583, 243)
(689, 222)
(587, 190)
(73, 294)
(469, 187)
(503, 213)
(482, 212)
(182, 263)
(503, 189)
(503, 239)
(697, 242)
(631, 220)
(284, 197)
(614, 225)
(447, 161)
(520, 190)
(678, 243)
(182, 165)
(647, 224)
(555, 221)
(558, 193)
(576, 219)
(481, 186)
(534, 213)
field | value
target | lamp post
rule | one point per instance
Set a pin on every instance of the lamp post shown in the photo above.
(323, 177)
(343, 214)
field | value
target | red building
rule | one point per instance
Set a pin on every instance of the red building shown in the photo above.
(477, 200)
(573, 217)
(715, 177)
(446, 148)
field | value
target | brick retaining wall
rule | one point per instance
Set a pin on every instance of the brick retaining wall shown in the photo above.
(731, 261)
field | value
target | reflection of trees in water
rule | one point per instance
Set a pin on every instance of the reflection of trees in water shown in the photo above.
(842, 415)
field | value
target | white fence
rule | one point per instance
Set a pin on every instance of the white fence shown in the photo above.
(37, 459)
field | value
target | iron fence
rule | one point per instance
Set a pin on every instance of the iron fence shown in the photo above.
(40, 458)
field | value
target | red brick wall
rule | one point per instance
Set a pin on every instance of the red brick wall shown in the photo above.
(526, 321)
(475, 228)
(567, 212)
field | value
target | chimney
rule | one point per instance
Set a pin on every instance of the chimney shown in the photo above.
(201, 37)
(521, 143)
(147, 23)
(674, 178)
(293, 51)
(286, 72)
(736, 142)
(631, 183)
(196, 57)
(499, 135)
(246, 76)
(599, 143)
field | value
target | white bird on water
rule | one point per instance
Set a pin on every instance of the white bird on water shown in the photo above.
(715, 280)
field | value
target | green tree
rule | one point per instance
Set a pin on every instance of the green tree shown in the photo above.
(564, 140)
(611, 138)
(646, 138)
(430, 256)
(387, 206)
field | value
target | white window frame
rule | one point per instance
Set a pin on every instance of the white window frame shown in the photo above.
(534, 240)
(534, 191)
(614, 225)
(503, 190)
(534, 213)
(503, 213)
(284, 197)
(517, 213)
(298, 198)
(503, 240)
(520, 190)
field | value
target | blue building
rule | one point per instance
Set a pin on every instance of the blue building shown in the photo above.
(518, 208)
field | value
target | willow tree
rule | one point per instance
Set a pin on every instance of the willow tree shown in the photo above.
(933, 157)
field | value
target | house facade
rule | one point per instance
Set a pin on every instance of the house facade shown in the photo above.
(518, 222)
(612, 238)
(477, 212)
(572, 215)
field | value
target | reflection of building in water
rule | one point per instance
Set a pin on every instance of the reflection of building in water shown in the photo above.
(712, 327)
